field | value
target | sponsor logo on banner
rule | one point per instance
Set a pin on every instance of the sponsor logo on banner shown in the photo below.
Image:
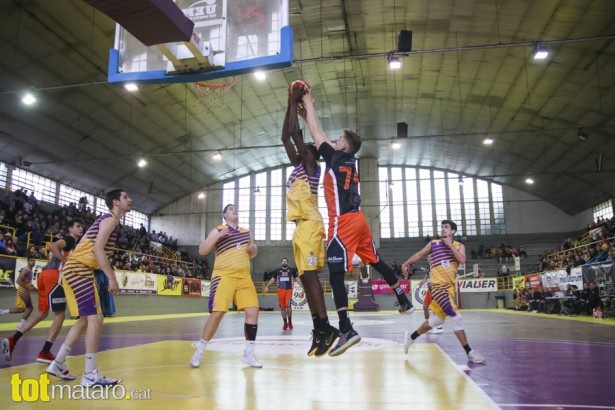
(518, 282)
(419, 292)
(7, 272)
(478, 285)
(136, 282)
(533, 281)
(380, 286)
(191, 287)
(169, 285)
(298, 301)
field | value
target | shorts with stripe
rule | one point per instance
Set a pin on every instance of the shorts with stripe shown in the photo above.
(23, 300)
(80, 288)
(227, 288)
(443, 302)
(350, 234)
(50, 291)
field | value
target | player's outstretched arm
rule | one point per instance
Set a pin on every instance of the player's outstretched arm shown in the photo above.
(317, 133)
(414, 258)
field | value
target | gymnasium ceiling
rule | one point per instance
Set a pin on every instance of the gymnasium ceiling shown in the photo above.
(470, 75)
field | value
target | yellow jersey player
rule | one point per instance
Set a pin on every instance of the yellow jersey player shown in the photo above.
(445, 255)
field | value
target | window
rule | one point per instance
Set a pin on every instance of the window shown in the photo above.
(3, 175)
(277, 205)
(243, 202)
(385, 211)
(100, 206)
(427, 226)
(135, 219)
(412, 203)
(440, 202)
(261, 195)
(44, 188)
(290, 226)
(228, 196)
(454, 199)
(396, 192)
(603, 210)
(484, 214)
(498, 209)
(469, 207)
(70, 195)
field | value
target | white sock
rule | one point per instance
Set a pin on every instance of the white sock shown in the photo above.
(63, 353)
(4, 312)
(202, 345)
(250, 346)
(90, 362)
(21, 323)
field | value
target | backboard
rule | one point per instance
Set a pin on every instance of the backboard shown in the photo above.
(234, 37)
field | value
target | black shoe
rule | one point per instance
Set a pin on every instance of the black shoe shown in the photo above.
(315, 343)
(327, 337)
(407, 308)
(346, 341)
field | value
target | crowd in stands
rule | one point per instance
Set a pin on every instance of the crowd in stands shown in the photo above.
(27, 227)
(596, 245)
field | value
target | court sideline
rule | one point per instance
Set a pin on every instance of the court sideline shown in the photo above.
(533, 361)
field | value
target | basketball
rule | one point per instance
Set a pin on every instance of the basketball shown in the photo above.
(298, 84)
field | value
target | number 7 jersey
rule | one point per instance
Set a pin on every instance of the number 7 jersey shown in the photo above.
(341, 182)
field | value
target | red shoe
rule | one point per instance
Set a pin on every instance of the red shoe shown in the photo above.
(290, 326)
(45, 357)
(6, 348)
(285, 327)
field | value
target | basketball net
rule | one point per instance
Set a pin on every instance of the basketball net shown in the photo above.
(211, 94)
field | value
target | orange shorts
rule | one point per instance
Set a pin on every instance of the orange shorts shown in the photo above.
(46, 281)
(284, 296)
(350, 234)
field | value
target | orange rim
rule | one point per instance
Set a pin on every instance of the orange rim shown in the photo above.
(223, 85)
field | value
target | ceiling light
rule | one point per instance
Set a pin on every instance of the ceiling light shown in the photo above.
(131, 87)
(581, 135)
(260, 75)
(529, 181)
(142, 162)
(28, 99)
(488, 141)
(217, 155)
(201, 195)
(540, 52)
(394, 62)
(395, 144)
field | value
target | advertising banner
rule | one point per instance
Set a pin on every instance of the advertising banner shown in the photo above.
(298, 300)
(7, 272)
(205, 285)
(380, 287)
(478, 285)
(191, 287)
(136, 283)
(169, 285)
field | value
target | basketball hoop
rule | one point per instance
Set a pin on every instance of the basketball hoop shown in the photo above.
(211, 93)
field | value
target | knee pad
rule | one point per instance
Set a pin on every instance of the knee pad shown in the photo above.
(457, 323)
(434, 321)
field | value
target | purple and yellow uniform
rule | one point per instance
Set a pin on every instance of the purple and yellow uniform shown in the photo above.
(231, 279)
(23, 300)
(442, 272)
(302, 205)
(78, 271)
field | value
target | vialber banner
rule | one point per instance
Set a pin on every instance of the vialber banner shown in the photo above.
(169, 285)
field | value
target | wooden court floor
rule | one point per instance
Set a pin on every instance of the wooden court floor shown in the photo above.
(533, 361)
